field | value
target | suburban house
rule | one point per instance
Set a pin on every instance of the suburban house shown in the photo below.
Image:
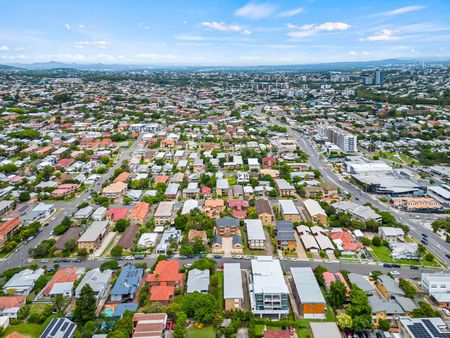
(164, 213)
(164, 280)
(388, 287)
(227, 226)
(139, 213)
(264, 212)
(127, 283)
(269, 294)
(285, 235)
(9, 228)
(289, 211)
(62, 282)
(97, 280)
(115, 191)
(345, 242)
(324, 330)
(92, 238)
(284, 188)
(149, 325)
(222, 187)
(23, 282)
(198, 281)
(167, 237)
(255, 234)
(314, 211)
(11, 305)
(405, 250)
(308, 293)
(391, 234)
(214, 207)
(59, 327)
(233, 293)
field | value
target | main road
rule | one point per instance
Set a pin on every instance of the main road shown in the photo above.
(20, 256)
(435, 243)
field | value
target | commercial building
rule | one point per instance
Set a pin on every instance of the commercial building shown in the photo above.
(423, 328)
(438, 287)
(269, 294)
(308, 293)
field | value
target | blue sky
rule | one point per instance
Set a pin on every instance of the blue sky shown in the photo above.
(221, 32)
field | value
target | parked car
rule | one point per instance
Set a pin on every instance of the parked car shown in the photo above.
(414, 277)
(394, 273)
(414, 267)
(387, 265)
(187, 265)
(396, 266)
(291, 331)
(446, 312)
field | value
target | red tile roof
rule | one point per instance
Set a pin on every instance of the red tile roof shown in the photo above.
(64, 275)
(123, 177)
(166, 271)
(116, 213)
(161, 293)
(12, 301)
(140, 210)
(9, 225)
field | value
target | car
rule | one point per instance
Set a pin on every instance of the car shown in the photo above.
(187, 265)
(129, 258)
(65, 260)
(238, 257)
(46, 224)
(77, 260)
(246, 257)
(172, 326)
(414, 267)
(139, 258)
(414, 277)
(44, 261)
(217, 256)
(394, 273)
(446, 312)
(424, 241)
(51, 233)
(387, 265)
(447, 255)
(424, 235)
(396, 266)
(57, 261)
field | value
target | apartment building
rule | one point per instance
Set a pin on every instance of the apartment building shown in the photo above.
(289, 211)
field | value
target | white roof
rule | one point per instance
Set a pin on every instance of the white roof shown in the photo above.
(188, 206)
(324, 242)
(255, 229)
(288, 207)
(164, 209)
(268, 276)
(198, 280)
(313, 207)
(148, 239)
(96, 229)
(440, 191)
(309, 241)
(232, 281)
(391, 231)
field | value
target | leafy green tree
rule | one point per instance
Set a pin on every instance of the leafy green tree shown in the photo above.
(201, 307)
(24, 196)
(89, 329)
(424, 310)
(116, 251)
(337, 294)
(408, 288)
(318, 272)
(180, 330)
(376, 241)
(109, 265)
(85, 305)
(204, 264)
(122, 224)
(344, 321)
(384, 324)
(359, 309)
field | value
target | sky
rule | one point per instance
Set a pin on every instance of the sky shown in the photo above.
(227, 32)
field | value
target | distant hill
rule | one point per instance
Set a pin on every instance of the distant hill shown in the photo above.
(349, 65)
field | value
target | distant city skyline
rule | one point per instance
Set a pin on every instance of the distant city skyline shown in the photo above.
(228, 33)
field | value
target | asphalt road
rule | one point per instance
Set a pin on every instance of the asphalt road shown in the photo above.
(64, 209)
(364, 269)
(435, 243)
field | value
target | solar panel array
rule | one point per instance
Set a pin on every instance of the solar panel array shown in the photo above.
(59, 328)
(434, 331)
(419, 331)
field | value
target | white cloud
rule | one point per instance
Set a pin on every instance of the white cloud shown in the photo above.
(4, 48)
(255, 11)
(144, 25)
(13, 57)
(81, 26)
(223, 27)
(67, 26)
(290, 13)
(191, 38)
(154, 57)
(93, 43)
(383, 35)
(402, 10)
(309, 30)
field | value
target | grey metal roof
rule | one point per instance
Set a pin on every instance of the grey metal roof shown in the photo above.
(94, 231)
(255, 229)
(308, 289)
(232, 281)
(198, 280)
(227, 222)
(360, 282)
(390, 285)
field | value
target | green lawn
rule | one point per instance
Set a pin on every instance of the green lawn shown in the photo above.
(206, 332)
(383, 254)
(30, 330)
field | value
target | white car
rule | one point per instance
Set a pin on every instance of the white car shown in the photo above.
(187, 265)
(447, 312)
(129, 258)
(395, 273)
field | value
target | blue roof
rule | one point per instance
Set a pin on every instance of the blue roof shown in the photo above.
(128, 281)
(122, 307)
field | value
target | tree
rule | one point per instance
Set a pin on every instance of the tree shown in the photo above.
(318, 272)
(89, 329)
(122, 224)
(408, 288)
(359, 309)
(376, 241)
(109, 265)
(116, 251)
(424, 310)
(180, 330)
(9, 168)
(204, 264)
(201, 307)
(143, 295)
(344, 321)
(24, 196)
(85, 305)
(337, 294)
(384, 324)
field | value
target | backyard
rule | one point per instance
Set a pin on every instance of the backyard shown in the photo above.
(29, 330)
(383, 254)
(206, 332)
